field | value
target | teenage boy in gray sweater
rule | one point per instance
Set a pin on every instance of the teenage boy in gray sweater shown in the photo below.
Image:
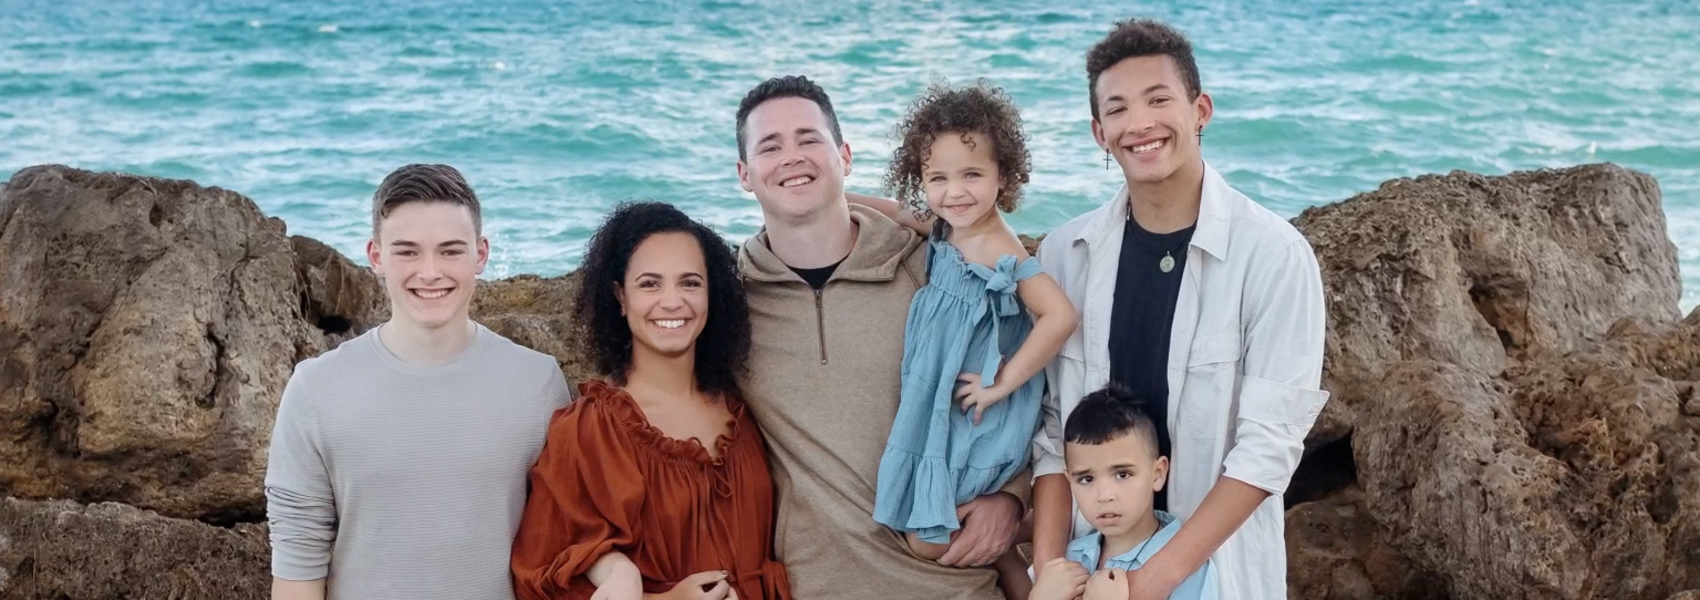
(398, 461)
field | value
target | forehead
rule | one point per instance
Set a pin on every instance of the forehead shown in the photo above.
(951, 143)
(667, 252)
(1127, 448)
(784, 116)
(1132, 76)
(429, 221)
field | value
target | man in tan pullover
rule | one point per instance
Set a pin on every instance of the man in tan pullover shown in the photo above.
(829, 288)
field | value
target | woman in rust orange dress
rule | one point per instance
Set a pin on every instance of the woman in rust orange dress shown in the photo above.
(655, 477)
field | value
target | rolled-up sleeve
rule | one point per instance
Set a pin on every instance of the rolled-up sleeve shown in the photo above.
(300, 506)
(1279, 393)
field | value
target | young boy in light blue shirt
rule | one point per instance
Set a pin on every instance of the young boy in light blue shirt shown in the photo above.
(1114, 470)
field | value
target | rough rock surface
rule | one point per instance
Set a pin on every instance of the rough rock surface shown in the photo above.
(146, 326)
(1481, 271)
(1335, 551)
(67, 551)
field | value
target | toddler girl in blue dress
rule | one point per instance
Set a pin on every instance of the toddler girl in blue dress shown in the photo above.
(973, 359)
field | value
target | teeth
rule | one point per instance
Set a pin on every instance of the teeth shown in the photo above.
(1148, 147)
(671, 323)
(796, 181)
(431, 294)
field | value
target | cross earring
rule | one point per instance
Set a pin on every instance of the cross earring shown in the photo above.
(1106, 160)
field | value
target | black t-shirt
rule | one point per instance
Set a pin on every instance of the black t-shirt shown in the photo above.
(1140, 320)
(817, 277)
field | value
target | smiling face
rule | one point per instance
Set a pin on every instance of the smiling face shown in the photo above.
(664, 294)
(429, 255)
(1146, 121)
(794, 167)
(1114, 482)
(961, 179)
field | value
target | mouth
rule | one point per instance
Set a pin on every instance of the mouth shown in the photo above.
(425, 294)
(1103, 517)
(669, 323)
(1148, 147)
(800, 180)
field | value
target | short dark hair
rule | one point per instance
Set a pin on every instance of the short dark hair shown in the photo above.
(723, 347)
(789, 86)
(424, 183)
(983, 109)
(1108, 414)
(1134, 38)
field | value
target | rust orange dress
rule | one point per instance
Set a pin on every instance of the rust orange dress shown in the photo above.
(609, 482)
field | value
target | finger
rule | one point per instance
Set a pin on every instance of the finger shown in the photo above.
(979, 410)
(732, 594)
(956, 552)
(718, 592)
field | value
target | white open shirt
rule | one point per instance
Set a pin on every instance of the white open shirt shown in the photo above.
(1245, 363)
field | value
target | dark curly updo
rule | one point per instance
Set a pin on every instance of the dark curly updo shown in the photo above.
(983, 109)
(723, 347)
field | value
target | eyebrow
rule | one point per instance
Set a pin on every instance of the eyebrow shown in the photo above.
(801, 131)
(1119, 98)
(681, 275)
(413, 244)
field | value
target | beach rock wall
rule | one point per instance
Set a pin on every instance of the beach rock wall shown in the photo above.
(1514, 409)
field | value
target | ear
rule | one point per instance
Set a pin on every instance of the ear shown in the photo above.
(1206, 108)
(1160, 474)
(844, 154)
(483, 254)
(1098, 135)
(375, 256)
(744, 176)
(620, 295)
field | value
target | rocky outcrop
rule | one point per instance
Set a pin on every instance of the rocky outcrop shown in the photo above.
(67, 551)
(1336, 551)
(1480, 272)
(536, 312)
(146, 326)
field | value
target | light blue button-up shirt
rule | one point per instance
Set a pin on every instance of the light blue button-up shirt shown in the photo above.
(1201, 585)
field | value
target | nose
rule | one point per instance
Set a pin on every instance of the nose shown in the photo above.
(1106, 494)
(428, 268)
(671, 298)
(1140, 121)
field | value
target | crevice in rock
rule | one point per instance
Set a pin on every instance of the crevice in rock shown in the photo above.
(1325, 470)
(332, 324)
(1505, 306)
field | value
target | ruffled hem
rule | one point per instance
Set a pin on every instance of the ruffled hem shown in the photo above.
(920, 493)
(623, 409)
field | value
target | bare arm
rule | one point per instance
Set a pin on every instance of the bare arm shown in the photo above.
(284, 589)
(1053, 518)
(1054, 319)
(894, 210)
(1223, 511)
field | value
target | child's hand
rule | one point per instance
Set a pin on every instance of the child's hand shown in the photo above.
(1107, 584)
(622, 586)
(1059, 579)
(976, 398)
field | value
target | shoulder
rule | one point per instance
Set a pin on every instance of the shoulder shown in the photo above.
(598, 411)
(352, 358)
(1260, 228)
(499, 346)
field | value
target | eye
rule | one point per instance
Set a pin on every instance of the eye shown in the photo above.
(1084, 480)
(692, 283)
(1160, 100)
(1124, 474)
(936, 179)
(649, 284)
(1115, 110)
(456, 252)
(809, 141)
(406, 253)
(768, 149)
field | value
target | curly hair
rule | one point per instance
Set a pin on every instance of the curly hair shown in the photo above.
(981, 109)
(1134, 38)
(723, 347)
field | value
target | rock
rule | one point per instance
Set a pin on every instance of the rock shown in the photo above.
(1335, 551)
(67, 551)
(1565, 477)
(1481, 271)
(147, 327)
(1688, 595)
(342, 299)
(535, 312)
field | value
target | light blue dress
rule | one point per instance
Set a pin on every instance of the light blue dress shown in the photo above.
(1203, 584)
(967, 319)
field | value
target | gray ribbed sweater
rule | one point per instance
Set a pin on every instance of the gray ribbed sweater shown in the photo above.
(397, 481)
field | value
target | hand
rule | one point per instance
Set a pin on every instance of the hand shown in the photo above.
(989, 526)
(1107, 584)
(975, 398)
(1059, 579)
(622, 583)
(707, 585)
(1142, 584)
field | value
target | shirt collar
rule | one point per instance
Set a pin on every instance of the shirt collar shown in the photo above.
(1215, 216)
(1087, 551)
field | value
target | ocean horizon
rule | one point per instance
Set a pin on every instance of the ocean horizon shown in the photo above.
(557, 111)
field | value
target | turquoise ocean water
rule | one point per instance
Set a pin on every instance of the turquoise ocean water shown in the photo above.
(558, 110)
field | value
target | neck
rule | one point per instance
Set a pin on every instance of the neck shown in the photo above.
(990, 225)
(1122, 544)
(1169, 205)
(424, 346)
(819, 240)
(662, 376)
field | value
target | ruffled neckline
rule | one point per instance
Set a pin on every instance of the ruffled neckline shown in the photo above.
(624, 410)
